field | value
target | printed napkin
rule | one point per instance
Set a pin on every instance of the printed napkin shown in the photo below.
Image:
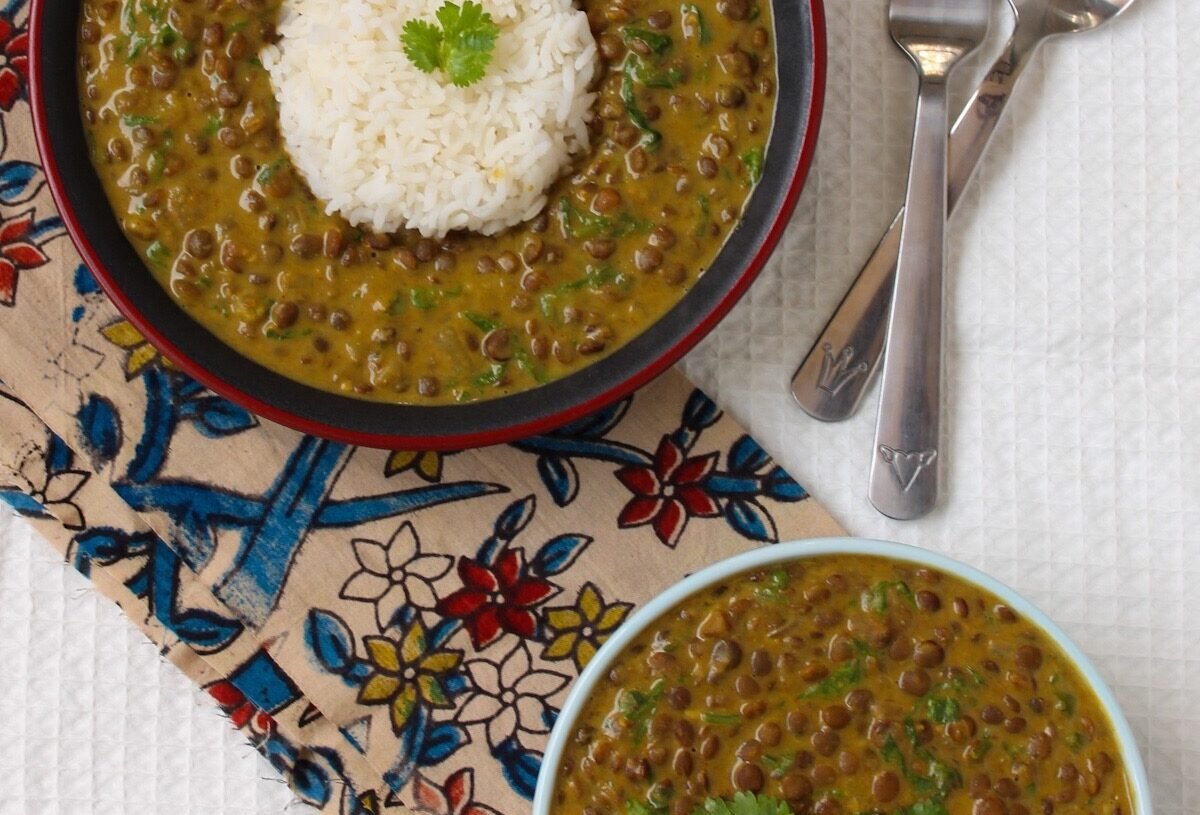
(395, 631)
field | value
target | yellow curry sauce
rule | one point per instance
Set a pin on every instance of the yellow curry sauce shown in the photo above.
(184, 134)
(842, 685)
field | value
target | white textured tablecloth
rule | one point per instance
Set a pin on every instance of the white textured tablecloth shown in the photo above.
(1072, 463)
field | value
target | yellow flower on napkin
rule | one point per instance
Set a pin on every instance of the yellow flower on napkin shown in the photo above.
(141, 353)
(581, 629)
(405, 675)
(428, 464)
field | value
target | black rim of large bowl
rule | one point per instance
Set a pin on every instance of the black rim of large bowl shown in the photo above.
(800, 34)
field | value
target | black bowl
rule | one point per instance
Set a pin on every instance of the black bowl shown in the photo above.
(800, 31)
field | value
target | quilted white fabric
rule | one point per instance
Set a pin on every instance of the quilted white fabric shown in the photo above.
(93, 721)
(1072, 417)
(1072, 394)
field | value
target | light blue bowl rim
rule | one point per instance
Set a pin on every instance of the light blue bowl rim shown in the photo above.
(799, 550)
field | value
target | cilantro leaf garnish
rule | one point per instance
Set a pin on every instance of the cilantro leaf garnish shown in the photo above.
(658, 43)
(743, 803)
(422, 45)
(943, 709)
(753, 159)
(841, 680)
(876, 597)
(775, 585)
(925, 807)
(638, 706)
(461, 47)
(650, 137)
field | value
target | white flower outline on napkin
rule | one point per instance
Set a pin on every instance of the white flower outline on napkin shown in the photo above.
(509, 696)
(395, 575)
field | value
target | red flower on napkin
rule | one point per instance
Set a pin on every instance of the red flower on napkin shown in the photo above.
(496, 598)
(14, 63)
(239, 709)
(669, 492)
(17, 251)
(455, 797)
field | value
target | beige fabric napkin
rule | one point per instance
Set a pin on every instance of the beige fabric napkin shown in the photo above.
(393, 630)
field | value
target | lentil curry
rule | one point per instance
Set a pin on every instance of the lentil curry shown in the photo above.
(843, 685)
(184, 133)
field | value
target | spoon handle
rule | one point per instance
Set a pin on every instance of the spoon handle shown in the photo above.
(904, 468)
(833, 377)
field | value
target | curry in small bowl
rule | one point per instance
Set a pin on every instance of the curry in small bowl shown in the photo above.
(841, 678)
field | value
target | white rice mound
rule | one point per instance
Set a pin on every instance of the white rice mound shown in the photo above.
(389, 147)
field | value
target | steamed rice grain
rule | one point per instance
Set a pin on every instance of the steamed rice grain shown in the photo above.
(389, 147)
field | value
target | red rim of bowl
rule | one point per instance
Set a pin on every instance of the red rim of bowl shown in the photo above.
(650, 371)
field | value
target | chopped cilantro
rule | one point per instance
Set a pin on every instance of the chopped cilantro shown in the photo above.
(138, 121)
(773, 587)
(745, 803)
(167, 37)
(1066, 703)
(157, 163)
(876, 597)
(926, 806)
(481, 322)
(268, 172)
(289, 334)
(157, 253)
(714, 717)
(699, 28)
(658, 43)
(638, 706)
(778, 765)
(212, 125)
(669, 78)
(461, 47)
(595, 278)
(753, 159)
(490, 377)
(137, 44)
(659, 796)
(941, 779)
(422, 298)
(943, 709)
(651, 138)
(152, 11)
(527, 364)
(839, 681)
(580, 223)
(981, 748)
(703, 221)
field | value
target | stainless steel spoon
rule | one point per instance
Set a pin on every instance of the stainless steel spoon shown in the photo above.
(936, 35)
(831, 381)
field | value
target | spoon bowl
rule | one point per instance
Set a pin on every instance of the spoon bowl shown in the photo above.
(1072, 16)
